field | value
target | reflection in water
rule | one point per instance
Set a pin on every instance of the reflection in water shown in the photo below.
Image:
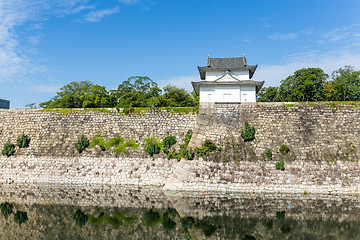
(153, 214)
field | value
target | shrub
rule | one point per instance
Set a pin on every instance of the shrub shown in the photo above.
(207, 147)
(9, 149)
(152, 218)
(284, 149)
(173, 154)
(269, 154)
(80, 218)
(168, 142)
(98, 140)
(121, 145)
(23, 141)
(188, 137)
(152, 146)
(167, 222)
(248, 133)
(82, 144)
(20, 217)
(6, 209)
(280, 165)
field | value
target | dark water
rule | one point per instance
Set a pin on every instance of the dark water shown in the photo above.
(105, 212)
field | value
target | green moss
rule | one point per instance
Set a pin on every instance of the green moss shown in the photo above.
(289, 104)
(66, 111)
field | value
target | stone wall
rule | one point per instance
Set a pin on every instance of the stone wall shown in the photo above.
(312, 131)
(55, 133)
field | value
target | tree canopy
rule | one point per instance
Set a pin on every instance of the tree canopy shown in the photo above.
(313, 84)
(136, 91)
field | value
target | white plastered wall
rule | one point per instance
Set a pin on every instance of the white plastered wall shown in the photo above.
(213, 75)
(227, 94)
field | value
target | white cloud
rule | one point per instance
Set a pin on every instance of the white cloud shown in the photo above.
(96, 16)
(273, 74)
(287, 36)
(43, 88)
(129, 2)
(14, 62)
(180, 81)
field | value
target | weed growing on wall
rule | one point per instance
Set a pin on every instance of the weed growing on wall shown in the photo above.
(207, 148)
(280, 165)
(6, 209)
(120, 145)
(284, 149)
(152, 146)
(98, 141)
(82, 144)
(168, 142)
(80, 218)
(23, 141)
(9, 149)
(20, 217)
(269, 154)
(248, 133)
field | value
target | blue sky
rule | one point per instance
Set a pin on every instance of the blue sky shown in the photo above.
(45, 44)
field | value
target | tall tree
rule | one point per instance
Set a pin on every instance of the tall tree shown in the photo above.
(304, 85)
(78, 95)
(344, 85)
(267, 94)
(176, 97)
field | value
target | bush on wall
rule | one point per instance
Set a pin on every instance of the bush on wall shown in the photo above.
(82, 144)
(23, 141)
(248, 133)
(207, 148)
(152, 146)
(9, 149)
(168, 142)
(120, 145)
(284, 149)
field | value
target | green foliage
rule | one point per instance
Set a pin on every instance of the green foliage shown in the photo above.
(20, 217)
(98, 141)
(280, 165)
(6, 209)
(188, 136)
(23, 141)
(248, 133)
(305, 85)
(120, 145)
(176, 97)
(82, 94)
(80, 218)
(284, 149)
(269, 154)
(151, 218)
(152, 146)
(207, 228)
(9, 149)
(267, 94)
(173, 154)
(82, 144)
(168, 142)
(167, 223)
(207, 147)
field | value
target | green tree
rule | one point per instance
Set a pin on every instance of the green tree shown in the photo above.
(267, 94)
(176, 97)
(137, 92)
(305, 84)
(79, 95)
(344, 85)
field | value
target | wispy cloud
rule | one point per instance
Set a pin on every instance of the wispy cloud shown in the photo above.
(14, 61)
(180, 81)
(129, 2)
(273, 74)
(43, 88)
(97, 15)
(345, 32)
(283, 36)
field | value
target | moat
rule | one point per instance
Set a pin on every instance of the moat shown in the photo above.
(50, 211)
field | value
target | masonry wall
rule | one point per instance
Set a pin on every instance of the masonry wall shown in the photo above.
(55, 133)
(313, 132)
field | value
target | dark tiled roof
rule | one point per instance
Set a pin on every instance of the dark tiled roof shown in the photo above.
(257, 84)
(227, 64)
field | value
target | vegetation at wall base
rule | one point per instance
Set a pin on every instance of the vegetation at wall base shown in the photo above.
(20, 217)
(6, 209)
(80, 218)
(168, 142)
(248, 133)
(152, 146)
(269, 154)
(98, 141)
(207, 148)
(284, 149)
(120, 145)
(9, 149)
(280, 165)
(82, 144)
(23, 141)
